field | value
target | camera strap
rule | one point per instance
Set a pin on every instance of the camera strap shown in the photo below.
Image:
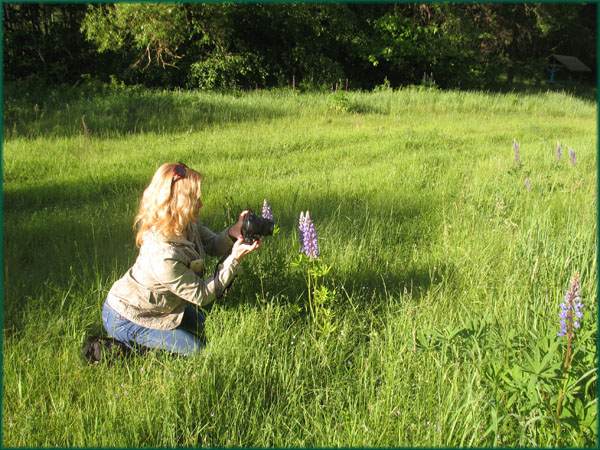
(216, 277)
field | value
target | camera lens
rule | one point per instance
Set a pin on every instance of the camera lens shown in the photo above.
(254, 227)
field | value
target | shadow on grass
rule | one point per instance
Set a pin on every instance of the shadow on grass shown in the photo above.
(581, 90)
(71, 194)
(104, 110)
(108, 111)
(344, 222)
(356, 288)
(50, 242)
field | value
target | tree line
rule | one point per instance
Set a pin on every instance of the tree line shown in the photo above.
(242, 46)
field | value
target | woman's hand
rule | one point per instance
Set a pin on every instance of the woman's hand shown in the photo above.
(240, 249)
(235, 231)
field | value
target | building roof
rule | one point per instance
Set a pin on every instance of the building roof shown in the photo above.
(572, 63)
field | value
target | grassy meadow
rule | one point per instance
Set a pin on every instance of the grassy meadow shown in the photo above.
(448, 260)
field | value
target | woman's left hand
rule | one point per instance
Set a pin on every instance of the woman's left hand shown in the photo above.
(235, 231)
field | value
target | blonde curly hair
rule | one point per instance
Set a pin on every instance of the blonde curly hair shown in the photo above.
(170, 202)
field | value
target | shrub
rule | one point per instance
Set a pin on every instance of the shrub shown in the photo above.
(228, 71)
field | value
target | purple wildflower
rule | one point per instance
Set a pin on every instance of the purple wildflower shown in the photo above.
(301, 229)
(516, 147)
(308, 236)
(558, 150)
(267, 213)
(572, 156)
(528, 184)
(570, 309)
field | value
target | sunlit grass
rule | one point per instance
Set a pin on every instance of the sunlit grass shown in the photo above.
(420, 210)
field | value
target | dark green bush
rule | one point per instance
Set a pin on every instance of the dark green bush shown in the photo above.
(229, 71)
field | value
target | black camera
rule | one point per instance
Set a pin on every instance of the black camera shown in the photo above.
(253, 227)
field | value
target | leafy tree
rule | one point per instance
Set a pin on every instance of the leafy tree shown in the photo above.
(44, 42)
(418, 40)
(225, 46)
(156, 29)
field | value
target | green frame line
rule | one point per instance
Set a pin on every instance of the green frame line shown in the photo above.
(3, 267)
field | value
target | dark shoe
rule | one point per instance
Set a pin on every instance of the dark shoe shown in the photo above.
(95, 348)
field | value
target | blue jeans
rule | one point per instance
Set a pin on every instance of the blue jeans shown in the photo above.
(183, 340)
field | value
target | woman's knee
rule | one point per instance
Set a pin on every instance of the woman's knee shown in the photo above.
(189, 346)
(176, 341)
(111, 321)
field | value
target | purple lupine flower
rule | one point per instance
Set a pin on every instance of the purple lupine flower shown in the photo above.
(572, 156)
(516, 147)
(308, 236)
(558, 150)
(267, 212)
(570, 309)
(301, 229)
(528, 184)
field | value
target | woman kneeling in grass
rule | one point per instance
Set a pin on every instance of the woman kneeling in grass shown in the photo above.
(155, 304)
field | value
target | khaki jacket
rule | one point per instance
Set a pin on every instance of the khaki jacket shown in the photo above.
(168, 273)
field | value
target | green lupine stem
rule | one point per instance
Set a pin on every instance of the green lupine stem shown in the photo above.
(569, 354)
(561, 394)
(559, 404)
(310, 296)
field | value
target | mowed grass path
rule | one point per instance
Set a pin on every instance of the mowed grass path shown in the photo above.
(445, 266)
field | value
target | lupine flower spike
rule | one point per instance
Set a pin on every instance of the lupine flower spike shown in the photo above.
(570, 316)
(301, 227)
(571, 309)
(516, 147)
(572, 156)
(267, 213)
(308, 236)
(558, 150)
(528, 184)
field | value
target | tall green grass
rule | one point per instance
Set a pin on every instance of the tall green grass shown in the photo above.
(448, 272)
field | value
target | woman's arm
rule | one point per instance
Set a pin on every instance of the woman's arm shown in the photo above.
(215, 244)
(220, 244)
(179, 279)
